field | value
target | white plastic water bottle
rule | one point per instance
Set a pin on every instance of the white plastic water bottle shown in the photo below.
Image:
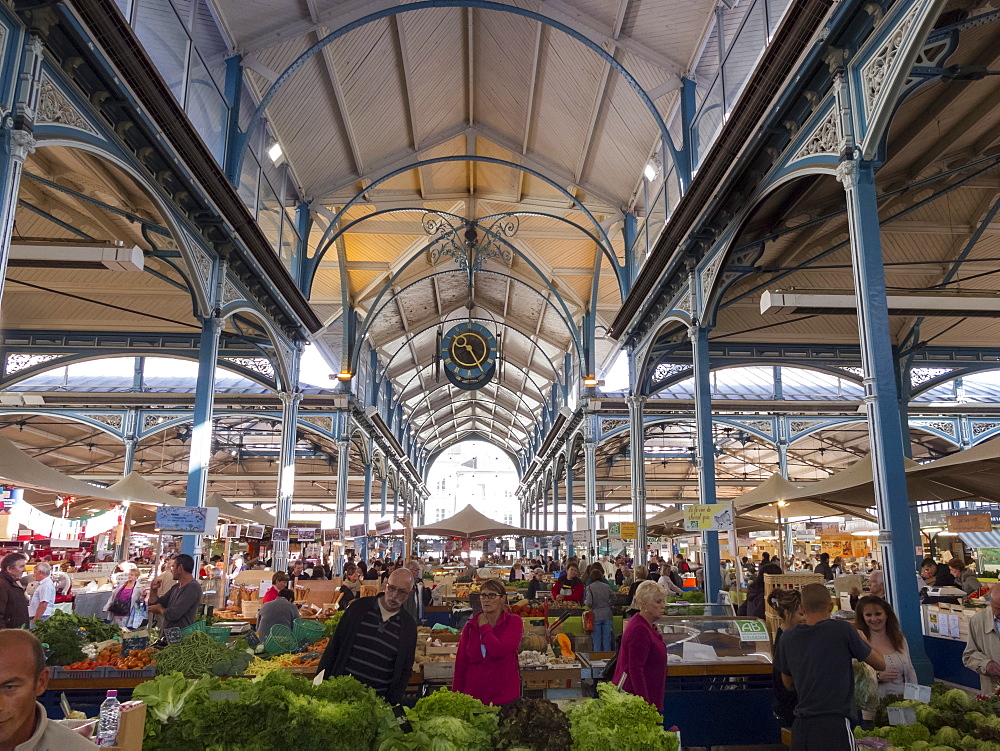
(107, 725)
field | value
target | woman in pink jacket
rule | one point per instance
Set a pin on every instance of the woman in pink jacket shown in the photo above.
(486, 665)
(642, 655)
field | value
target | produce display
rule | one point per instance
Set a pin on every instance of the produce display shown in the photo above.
(66, 635)
(271, 712)
(447, 721)
(618, 720)
(199, 653)
(532, 725)
(263, 666)
(953, 721)
(111, 656)
(330, 624)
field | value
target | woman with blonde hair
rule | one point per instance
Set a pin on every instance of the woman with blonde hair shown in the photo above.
(642, 657)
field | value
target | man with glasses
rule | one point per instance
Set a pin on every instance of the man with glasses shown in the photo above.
(375, 640)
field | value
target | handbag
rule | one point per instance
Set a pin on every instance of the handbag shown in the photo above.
(608, 673)
(119, 607)
(588, 620)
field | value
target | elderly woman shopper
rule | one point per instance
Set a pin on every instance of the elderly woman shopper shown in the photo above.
(599, 598)
(642, 657)
(486, 664)
(126, 607)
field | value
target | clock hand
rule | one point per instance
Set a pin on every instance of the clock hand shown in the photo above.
(475, 359)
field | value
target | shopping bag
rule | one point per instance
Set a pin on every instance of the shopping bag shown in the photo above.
(588, 620)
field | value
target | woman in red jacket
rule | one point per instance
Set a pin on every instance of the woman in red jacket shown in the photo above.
(642, 656)
(569, 586)
(486, 665)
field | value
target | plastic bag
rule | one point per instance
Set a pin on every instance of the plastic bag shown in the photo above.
(865, 685)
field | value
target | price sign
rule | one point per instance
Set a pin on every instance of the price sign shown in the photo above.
(902, 715)
(185, 520)
(752, 631)
(917, 692)
(172, 635)
(700, 517)
(134, 642)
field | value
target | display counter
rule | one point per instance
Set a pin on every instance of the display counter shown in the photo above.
(722, 666)
(946, 632)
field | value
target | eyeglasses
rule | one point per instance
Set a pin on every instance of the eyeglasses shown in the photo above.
(488, 596)
(396, 590)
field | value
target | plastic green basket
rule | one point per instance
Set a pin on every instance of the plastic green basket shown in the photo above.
(310, 631)
(196, 626)
(219, 633)
(280, 640)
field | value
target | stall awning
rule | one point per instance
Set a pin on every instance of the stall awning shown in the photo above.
(981, 539)
(19, 469)
(470, 523)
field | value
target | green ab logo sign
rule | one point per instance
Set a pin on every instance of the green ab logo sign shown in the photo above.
(752, 631)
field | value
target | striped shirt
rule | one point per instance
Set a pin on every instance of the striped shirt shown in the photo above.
(372, 659)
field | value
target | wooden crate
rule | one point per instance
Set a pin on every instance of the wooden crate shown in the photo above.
(445, 649)
(787, 581)
(130, 729)
(439, 671)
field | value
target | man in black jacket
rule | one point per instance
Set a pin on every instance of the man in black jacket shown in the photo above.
(13, 603)
(375, 640)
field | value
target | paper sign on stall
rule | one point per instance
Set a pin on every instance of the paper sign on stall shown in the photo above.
(707, 516)
(695, 651)
(902, 715)
(917, 692)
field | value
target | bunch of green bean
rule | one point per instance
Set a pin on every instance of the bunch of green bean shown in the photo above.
(195, 654)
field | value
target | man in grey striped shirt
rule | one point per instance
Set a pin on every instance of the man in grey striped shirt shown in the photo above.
(375, 640)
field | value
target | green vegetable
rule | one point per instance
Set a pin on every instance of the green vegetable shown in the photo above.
(533, 725)
(330, 624)
(277, 711)
(165, 696)
(66, 633)
(199, 653)
(473, 730)
(618, 720)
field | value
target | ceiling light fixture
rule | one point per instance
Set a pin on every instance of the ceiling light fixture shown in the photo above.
(274, 152)
(651, 170)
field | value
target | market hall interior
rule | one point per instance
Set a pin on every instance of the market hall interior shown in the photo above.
(777, 217)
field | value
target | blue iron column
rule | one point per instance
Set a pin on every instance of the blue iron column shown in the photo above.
(201, 432)
(16, 146)
(384, 491)
(395, 499)
(637, 442)
(705, 452)
(366, 510)
(901, 552)
(590, 481)
(569, 503)
(286, 465)
(555, 502)
(343, 474)
(789, 551)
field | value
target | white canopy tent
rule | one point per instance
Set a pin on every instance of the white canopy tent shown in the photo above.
(471, 523)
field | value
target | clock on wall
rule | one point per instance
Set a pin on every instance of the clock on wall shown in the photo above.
(469, 354)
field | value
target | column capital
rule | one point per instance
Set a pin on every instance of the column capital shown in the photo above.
(847, 174)
(289, 398)
(22, 144)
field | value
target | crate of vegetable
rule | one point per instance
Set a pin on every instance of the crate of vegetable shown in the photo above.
(78, 671)
(67, 634)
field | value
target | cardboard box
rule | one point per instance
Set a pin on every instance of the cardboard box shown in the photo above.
(439, 671)
(133, 721)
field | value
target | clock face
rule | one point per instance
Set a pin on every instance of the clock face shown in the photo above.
(468, 352)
